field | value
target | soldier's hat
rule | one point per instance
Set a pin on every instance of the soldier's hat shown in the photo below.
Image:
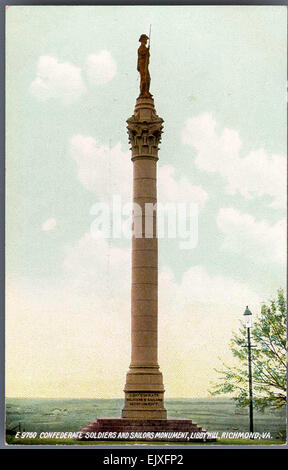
(143, 36)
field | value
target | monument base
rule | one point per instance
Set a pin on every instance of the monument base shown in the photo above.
(119, 429)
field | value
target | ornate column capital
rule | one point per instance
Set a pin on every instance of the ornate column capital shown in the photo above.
(144, 130)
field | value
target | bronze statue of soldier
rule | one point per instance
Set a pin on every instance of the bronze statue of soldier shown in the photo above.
(142, 67)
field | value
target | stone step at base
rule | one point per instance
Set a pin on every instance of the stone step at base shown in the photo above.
(120, 425)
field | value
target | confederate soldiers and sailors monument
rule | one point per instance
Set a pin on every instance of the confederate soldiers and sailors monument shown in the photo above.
(144, 409)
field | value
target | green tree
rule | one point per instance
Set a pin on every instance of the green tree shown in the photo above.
(269, 361)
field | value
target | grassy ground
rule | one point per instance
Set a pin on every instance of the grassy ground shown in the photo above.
(12, 441)
(221, 415)
(215, 415)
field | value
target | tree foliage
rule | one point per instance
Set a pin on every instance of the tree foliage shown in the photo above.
(269, 361)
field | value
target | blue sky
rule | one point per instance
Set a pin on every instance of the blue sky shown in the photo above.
(219, 83)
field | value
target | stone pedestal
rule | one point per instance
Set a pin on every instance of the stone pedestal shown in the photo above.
(144, 390)
(119, 429)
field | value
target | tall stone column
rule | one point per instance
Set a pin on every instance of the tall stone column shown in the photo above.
(144, 390)
(144, 410)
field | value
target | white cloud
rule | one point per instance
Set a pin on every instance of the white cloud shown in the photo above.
(196, 320)
(257, 239)
(254, 175)
(172, 189)
(94, 265)
(108, 171)
(78, 326)
(198, 287)
(101, 67)
(56, 79)
(64, 80)
(102, 169)
(49, 224)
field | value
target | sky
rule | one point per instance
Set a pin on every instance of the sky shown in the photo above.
(218, 77)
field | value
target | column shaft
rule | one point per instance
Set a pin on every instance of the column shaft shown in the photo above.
(144, 390)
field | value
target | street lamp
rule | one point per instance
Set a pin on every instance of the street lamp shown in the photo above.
(248, 324)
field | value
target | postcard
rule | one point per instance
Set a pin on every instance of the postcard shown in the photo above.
(146, 226)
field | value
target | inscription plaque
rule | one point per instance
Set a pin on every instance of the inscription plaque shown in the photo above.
(136, 400)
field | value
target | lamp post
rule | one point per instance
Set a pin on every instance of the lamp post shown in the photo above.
(248, 324)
